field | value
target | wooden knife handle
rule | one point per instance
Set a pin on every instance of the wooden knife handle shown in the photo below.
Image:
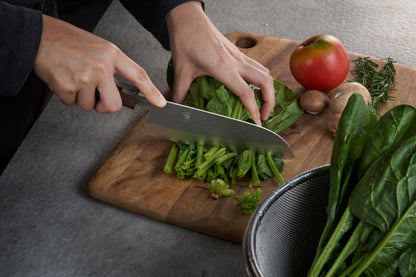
(129, 96)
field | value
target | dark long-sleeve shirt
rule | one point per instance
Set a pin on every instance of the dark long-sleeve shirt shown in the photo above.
(21, 31)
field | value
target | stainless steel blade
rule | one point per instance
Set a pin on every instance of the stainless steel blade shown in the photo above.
(190, 125)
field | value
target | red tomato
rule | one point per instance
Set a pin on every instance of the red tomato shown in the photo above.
(320, 63)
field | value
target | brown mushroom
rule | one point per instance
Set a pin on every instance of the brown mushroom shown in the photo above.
(338, 99)
(314, 101)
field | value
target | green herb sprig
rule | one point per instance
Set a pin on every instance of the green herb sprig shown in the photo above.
(379, 83)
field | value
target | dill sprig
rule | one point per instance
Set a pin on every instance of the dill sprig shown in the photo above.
(379, 83)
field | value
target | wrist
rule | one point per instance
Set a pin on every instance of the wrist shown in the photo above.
(186, 13)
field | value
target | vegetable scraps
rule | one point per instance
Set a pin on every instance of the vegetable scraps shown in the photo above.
(213, 163)
(370, 229)
(248, 202)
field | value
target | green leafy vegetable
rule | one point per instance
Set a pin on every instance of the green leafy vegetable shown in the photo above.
(354, 126)
(407, 263)
(248, 202)
(216, 162)
(373, 213)
(220, 188)
(263, 168)
(391, 129)
(287, 109)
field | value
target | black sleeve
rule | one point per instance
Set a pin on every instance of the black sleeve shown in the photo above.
(152, 15)
(20, 34)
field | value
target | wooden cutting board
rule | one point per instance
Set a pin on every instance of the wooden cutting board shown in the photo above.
(132, 176)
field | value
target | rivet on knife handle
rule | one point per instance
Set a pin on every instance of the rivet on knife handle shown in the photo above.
(130, 94)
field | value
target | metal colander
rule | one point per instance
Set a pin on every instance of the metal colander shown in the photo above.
(282, 234)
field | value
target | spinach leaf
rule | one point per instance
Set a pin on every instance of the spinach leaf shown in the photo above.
(392, 128)
(386, 256)
(222, 103)
(387, 188)
(263, 168)
(244, 164)
(356, 121)
(407, 263)
(386, 198)
(287, 109)
(354, 126)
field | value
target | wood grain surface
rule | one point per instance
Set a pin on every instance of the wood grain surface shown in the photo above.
(132, 176)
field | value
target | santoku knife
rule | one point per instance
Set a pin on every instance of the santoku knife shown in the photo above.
(186, 124)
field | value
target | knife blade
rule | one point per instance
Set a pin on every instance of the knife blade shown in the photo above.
(186, 124)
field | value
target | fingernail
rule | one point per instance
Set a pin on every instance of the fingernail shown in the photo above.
(258, 122)
(162, 101)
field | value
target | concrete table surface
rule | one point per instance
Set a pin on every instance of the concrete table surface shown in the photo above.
(50, 227)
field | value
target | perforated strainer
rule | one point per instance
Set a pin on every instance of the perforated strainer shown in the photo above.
(282, 234)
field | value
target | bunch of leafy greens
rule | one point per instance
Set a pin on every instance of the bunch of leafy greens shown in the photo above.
(210, 163)
(371, 226)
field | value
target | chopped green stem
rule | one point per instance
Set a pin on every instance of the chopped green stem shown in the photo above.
(274, 169)
(171, 158)
(199, 155)
(211, 151)
(254, 173)
(203, 168)
(225, 157)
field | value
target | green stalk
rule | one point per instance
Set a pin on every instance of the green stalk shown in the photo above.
(211, 151)
(199, 155)
(274, 169)
(237, 109)
(345, 224)
(202, 169)
(254, 173)
(225, 157)
(352, 267)
(349, 248)
(171, 158)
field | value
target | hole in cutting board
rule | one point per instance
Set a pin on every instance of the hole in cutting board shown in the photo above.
(246, 42)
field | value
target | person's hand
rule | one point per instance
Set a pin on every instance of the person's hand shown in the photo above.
(198, 48)
(75, 63)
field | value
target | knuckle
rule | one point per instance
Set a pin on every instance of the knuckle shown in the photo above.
(264, 79)
(110, 49)
(65, 88)
(141, 74)
(84, 80)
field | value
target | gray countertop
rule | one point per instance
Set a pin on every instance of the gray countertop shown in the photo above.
(50, 227)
